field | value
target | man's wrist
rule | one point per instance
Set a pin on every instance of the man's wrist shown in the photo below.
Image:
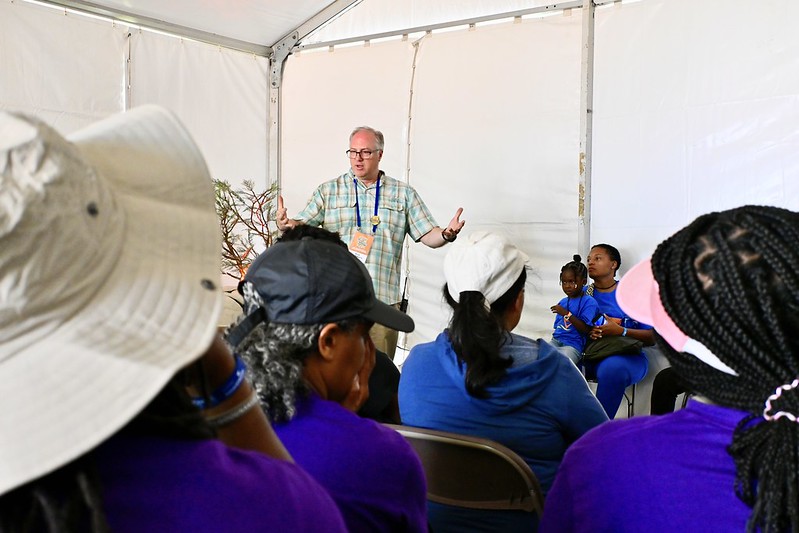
(448, 237)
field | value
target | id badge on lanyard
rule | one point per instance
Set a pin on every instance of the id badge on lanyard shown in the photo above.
(361, 243)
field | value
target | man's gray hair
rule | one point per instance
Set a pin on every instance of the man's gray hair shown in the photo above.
(381, 141)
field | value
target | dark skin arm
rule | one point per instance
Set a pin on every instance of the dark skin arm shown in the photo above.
(251, 431)
(581, 326)
(611, 329)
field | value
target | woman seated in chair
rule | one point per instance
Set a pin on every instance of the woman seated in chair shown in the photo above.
(616, 372)
(478, 378)
(110, 242)
(723, 296)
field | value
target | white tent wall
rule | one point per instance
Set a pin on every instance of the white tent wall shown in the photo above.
(494, 122)
(70, 74)
(71, 70)
(495, 130)
(696, 106)
(325, 96)
(221, 95)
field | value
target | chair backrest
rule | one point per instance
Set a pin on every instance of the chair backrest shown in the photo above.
(472, 472)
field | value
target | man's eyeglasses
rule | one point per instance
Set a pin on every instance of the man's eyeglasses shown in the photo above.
(364, 154)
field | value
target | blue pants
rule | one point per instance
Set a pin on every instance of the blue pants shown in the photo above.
(613, 375)
(569, 351)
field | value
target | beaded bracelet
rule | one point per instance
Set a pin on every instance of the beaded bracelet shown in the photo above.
(235, 413)
(226, 389)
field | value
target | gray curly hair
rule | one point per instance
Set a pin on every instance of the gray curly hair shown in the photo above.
(275, 355)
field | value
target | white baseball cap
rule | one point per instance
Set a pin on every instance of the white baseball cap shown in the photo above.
(484, 262)
(108, 279)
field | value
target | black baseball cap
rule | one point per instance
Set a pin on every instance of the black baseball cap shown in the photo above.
(312, 281)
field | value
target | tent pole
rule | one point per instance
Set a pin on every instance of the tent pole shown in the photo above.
(280, 51)
(586, 129)
(277, 61)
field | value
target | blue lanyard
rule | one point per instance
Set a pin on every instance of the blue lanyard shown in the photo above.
(358, 206)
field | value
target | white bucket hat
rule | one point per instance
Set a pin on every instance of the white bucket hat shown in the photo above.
(484, 262)
(109, 254)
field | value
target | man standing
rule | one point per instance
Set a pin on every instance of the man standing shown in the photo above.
(373, 212)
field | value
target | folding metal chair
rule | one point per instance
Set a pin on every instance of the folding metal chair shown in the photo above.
(472, 472)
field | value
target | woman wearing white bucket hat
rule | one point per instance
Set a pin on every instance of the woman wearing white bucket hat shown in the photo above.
(478, 378)
(109, 245)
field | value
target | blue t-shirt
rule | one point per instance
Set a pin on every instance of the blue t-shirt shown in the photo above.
(585, 308)
(608, 306)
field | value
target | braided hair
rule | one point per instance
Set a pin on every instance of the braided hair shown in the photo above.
(731, 281)
(477, 334)
(577, 267)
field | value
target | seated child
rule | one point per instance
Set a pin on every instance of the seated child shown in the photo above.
(574, 315)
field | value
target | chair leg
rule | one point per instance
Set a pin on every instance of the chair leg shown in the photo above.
(685, 397)
(630, 401)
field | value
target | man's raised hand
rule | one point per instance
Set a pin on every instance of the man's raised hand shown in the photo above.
(450, 233)
(281, 216)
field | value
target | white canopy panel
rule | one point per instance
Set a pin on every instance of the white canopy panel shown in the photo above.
(259, 22)
(378, 16)
(263, 23)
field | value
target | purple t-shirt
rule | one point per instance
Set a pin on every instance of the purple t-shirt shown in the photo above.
(373, 475)
(654, 474)
(155, 484)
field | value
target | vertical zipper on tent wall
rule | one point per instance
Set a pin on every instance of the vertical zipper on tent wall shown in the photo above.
(406, 252)
(126, 86)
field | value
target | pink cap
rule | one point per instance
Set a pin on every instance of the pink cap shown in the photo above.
(639, 296)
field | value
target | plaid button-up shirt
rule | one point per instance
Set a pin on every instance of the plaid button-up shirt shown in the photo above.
(401, 211)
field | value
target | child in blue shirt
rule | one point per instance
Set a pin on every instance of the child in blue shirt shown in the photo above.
(574, 315)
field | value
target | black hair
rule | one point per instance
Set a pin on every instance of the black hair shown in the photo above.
(477, 334)
(70, 498)
(305, 231)
(66, 500)
(730, 281)
(613, 252)
(576, 266)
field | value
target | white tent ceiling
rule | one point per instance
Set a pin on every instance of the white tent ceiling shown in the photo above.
(258, 25)
(250, 25)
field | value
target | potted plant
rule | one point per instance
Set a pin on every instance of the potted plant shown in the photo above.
(244, 215)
